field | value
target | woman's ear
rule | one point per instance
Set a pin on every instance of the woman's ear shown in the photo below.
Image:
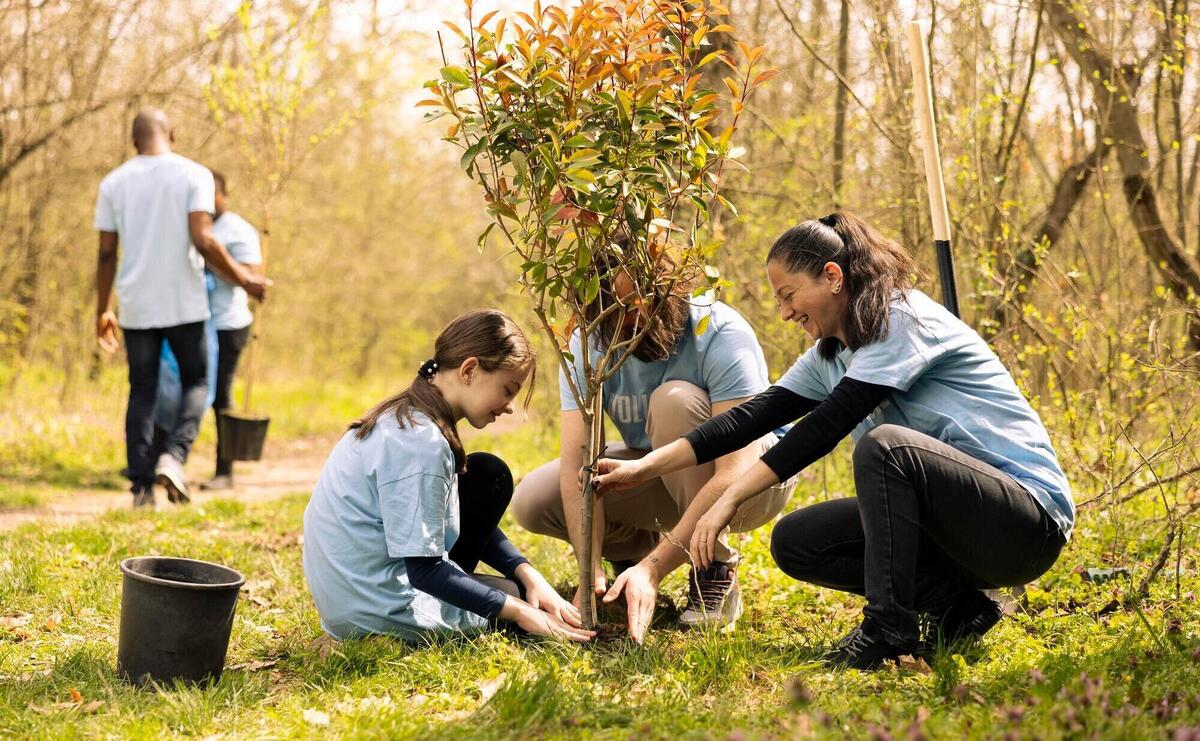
(833, 274)
(466, 371)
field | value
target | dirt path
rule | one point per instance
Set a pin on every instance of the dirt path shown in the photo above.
(290, 467)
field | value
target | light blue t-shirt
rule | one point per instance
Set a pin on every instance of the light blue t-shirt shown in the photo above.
(950, 386)
(725, 360)
(228, 303)
(378, 501)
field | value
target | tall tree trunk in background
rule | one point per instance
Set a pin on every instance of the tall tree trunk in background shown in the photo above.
(839, 103)
(1067, 192)
(1178, 269)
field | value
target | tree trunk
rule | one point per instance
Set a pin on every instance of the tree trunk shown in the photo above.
(593, 442)
(1067, 192)
(1114, 91)
(839, 103)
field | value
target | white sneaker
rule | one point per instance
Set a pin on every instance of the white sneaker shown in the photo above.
(169, 473)
(714, 597)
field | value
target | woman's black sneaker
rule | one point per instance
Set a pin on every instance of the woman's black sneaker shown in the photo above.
(971, 615)
(863, 648)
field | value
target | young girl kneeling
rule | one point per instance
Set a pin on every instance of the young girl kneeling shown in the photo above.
(401, 515)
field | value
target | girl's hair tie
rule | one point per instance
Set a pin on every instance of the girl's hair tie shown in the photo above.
(428, 369)
(829, 221)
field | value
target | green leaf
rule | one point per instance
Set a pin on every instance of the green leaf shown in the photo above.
(592, 289)
(456, 76)
(483, 237)
(702, 324)
(520, 163)
(472, 152)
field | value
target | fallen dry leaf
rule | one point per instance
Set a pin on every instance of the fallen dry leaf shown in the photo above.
(75, 696)
(15, 619)
(90, 708)
(254, 666)
(489, 687)
(325, 645)
(914, 664)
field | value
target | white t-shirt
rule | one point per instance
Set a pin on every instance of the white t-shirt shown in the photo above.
(229, 304)
(146, 201)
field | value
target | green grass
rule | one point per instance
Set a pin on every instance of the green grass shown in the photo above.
(59, 433)
(1053, 671)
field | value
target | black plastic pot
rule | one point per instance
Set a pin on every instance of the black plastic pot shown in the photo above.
(241, 436)
(176, 615)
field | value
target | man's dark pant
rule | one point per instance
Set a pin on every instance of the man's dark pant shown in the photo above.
(143, 348)
(230, 343)
(929, 523)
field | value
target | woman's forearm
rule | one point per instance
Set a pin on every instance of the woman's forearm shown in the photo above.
(668, 459)
(756, 479)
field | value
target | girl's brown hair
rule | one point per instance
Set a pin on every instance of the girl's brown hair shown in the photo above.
(486, 335)
(875, 268)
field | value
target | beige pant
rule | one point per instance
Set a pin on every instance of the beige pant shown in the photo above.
(634, 517)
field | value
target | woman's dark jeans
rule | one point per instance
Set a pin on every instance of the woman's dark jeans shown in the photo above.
(928, 524)
(230, 343)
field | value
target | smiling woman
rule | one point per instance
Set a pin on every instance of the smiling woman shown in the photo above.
(958, 487)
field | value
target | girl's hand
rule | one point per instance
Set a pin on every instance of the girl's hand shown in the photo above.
(710, 527)
(539, 594)
(614, 475)
(541, 623)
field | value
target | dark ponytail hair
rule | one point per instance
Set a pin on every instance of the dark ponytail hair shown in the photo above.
(874, 269)
(486, 335)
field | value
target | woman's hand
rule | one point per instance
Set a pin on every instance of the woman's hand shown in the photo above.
(710, 527)
(539, 594)
(614, 475)
(534, 621)
(640, 585)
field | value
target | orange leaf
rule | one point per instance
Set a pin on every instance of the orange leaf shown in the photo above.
(455, 29)
(733, 87)
(75, 696)
(764, 76)
(483, 21)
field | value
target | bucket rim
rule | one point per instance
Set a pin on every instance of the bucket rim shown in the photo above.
(127, 569)
(236, 416)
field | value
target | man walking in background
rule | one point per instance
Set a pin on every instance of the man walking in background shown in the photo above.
(230, 307)
(160, 205)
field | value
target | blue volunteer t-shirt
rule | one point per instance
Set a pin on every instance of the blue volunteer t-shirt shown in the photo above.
(229, 304)
(378, 501)
(725, 360)
(950, 386)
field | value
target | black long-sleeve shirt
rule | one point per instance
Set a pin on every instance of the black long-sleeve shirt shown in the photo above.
(822, 424)
(438, 577)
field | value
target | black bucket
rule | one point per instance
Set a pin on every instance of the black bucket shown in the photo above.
(176, 615)
(241, 437)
